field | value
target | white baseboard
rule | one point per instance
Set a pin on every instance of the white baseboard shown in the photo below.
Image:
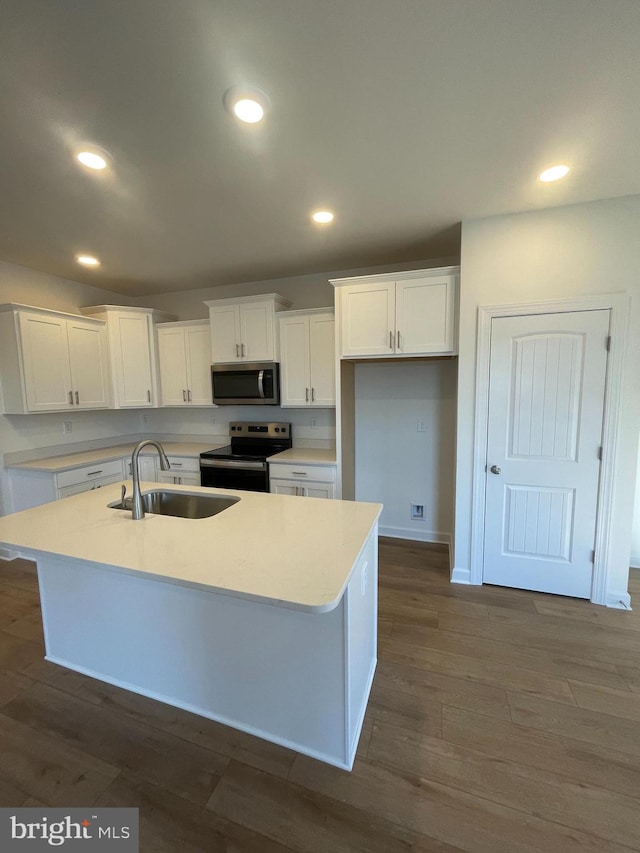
(619, 600)
(416, 535)
(460, 576)
(8, 555)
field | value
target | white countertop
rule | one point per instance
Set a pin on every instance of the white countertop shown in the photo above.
(305, 456)
(55, 464)
(290, 551)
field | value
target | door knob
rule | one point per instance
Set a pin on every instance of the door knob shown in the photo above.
(494, 469)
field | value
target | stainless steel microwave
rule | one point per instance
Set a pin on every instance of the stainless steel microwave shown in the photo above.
(256, 384)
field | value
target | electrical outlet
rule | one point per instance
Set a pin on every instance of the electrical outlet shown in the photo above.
(314, 423)
(417, 512)
(67, 426)
(145, 419)
(422, 425)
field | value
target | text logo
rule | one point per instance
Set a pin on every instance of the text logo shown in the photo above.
(109, 829)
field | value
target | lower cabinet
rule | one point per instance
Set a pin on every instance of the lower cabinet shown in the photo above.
(183, 472)
(306, 481)
(147, 468)
(88, 478)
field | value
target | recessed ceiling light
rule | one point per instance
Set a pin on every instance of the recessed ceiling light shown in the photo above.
(554, 173)
(249, 105)
(88, 260)
(93, 157)
(323, 217)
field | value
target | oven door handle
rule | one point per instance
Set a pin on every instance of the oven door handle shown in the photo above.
(229, 463)
(261, 384)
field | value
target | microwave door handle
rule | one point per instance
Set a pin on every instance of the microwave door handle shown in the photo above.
(261, 384)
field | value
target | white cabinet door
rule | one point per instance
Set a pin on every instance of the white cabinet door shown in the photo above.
(368, 319)
(256, 331)
(45, 354)
(295, 379)
(131, 338)
(147, 468)
(225, 333)
(89, 364)
(284, 487)
(197, 342)
(425, 315)
(319, 490)
(172, 361)
(322, 359)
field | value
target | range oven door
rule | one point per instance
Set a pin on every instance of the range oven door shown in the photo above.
(232, 474)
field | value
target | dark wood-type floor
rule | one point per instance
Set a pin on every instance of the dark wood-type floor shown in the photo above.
(499, 720)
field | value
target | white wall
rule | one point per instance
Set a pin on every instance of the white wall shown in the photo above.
(396, 464)
(304, 291)
(552, 254)
(214, 423)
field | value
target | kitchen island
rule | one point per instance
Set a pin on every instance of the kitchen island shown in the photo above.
(262, 617)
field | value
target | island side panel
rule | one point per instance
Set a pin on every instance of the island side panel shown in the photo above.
(272, 671)
(361, 622)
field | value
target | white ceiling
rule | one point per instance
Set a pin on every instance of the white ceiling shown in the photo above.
(404, 116)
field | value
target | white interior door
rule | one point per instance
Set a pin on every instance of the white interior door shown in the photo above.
(546, 405)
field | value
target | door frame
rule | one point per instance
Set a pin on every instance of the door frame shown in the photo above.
(619, 306)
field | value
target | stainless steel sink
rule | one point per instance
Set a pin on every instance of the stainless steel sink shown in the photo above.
(180, 504)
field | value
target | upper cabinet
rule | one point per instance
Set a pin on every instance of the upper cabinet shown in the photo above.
(184, 357)
(406, 314)
(52, 361)
(307, 358)
(132, 352)
(243, 329)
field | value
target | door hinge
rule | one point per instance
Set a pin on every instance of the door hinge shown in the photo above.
(600, 453)
(608, 343)
(593, 556)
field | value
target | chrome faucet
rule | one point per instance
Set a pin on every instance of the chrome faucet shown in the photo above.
(137, 508)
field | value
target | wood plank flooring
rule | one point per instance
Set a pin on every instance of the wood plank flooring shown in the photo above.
(499, 720)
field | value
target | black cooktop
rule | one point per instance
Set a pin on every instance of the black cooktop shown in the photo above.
(246, 453)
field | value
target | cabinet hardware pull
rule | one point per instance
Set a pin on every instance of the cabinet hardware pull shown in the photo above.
(148, 396)
(306, 394)
(188, 396)
(184, 396)
(242, 349)
(93, 473)
(176, 464)
(313, 395)
(299, 473)
(398, 335)
(237, 350)
(297, 491)
(78, 398)
(390, 340)
(71, 397)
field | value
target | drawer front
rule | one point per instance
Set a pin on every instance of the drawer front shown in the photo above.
(319, 473)
(184, 463)
(89, 473)
(180, 478)
(89, 485)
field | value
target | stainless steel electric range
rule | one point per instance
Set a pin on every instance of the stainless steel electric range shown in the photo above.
(243, 463)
